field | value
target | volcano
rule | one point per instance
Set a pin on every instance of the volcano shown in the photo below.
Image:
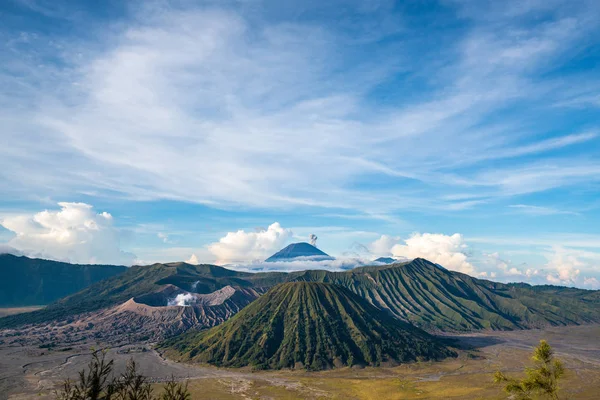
(308, 325)
(297, 251)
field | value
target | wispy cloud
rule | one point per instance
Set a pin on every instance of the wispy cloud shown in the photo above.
(538, 210)
(206, 105)
(376, 117)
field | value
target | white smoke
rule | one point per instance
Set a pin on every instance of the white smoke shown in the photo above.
(183, 300)
(313, 239)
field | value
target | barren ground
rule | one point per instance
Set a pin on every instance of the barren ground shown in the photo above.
(17, 310)
(30, 372)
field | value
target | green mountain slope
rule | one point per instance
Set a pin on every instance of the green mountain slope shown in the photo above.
(139, 281)
(30, 281)
(418, 291)
(440, 300)
(310, 325)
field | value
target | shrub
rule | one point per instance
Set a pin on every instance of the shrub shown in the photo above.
(541, 380)
(96, 383)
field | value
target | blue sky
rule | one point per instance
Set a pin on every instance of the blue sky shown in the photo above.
(464, 131)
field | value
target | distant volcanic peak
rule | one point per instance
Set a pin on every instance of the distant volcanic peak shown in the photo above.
(386, 260)
(309, 325)
(296, 251)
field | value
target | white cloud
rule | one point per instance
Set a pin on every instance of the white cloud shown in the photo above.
(221, 99)
(339, 264)
(537, 176)
(568, 240)
(163, 236)
(591, 283)
(154, 254)
(382, 247)
(498, 267)
(538, 210)
(75, 233)
(244, 108)
(447, 251)
(193, 260)
(6, 249)
(564, 267)
(242, 246)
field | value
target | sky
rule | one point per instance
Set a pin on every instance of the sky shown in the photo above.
(465, 132)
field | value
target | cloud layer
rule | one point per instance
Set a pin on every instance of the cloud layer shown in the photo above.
(377, 114)
(447, 251)
(564, 265)
(242, 246)
(75, 233)
(271, 111)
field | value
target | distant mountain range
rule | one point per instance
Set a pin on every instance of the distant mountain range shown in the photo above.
(31, 281)
(418, 292)
(308, 325)
(299, 251)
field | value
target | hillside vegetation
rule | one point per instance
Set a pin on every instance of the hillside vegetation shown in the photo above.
(308, 325)
(418, 291)
(32, 281)
(440, 300)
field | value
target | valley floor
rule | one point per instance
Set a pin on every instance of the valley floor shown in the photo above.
(33, 373)
(17, 310)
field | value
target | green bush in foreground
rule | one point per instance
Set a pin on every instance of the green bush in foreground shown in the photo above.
(541, 380)
(96, 383)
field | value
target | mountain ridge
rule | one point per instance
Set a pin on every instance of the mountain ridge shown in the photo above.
(308, 325)
(35, 281)
(419, 292)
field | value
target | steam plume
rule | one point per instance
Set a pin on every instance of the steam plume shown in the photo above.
(313, 239)
(182, 299)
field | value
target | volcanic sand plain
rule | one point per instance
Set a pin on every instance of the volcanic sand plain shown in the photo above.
(30, 372)
(18, 310)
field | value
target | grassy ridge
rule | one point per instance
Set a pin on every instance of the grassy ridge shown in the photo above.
(440, 300)
(33, 281)
(138, 281)
(418, 291)
(310, 325)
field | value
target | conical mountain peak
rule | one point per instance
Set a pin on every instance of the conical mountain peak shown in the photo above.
(308, 325)
(299, 251)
